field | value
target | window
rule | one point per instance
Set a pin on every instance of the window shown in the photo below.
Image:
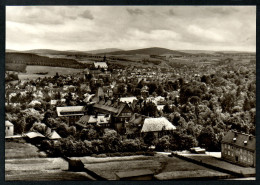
(228, 152)
(228, 146)
(231, 153)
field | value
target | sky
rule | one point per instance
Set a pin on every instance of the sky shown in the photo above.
(84, 28)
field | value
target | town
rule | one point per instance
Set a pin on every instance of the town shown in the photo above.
(109, 109)
(120, 93)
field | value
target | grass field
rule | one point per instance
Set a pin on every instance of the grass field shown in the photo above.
(51, 71)
(14, 150)
(24, 162)
(164, 167)
(222, 164)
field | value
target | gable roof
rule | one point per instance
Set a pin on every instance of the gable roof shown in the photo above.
(54, 135)
(136, 119)
(8, 123)
(115, 108)
(88, 119)
(241, 140)
(135, 124)
(34, 135)
(157, 124)
(105, 107)
(70, 111)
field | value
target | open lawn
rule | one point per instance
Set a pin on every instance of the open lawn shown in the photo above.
(218, 162)
(14, 150)
(164, 167)
(24, 162)
(31, 71)
(40, 169)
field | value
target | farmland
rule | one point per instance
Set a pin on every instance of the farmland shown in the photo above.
(164, 167)
(208, 160)
(31, 71)
(28, 162)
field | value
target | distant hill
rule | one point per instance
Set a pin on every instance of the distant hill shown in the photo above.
(102, 51)
(210, 52)
(234, 52)
(198, 51)
(33, 59)
(10, 50)
(148, 51)
(54, 52)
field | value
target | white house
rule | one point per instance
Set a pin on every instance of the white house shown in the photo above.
(9, 128)
(158, 126)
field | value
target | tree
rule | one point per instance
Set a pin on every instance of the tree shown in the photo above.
(167, 109)
(68, 98)
(111, 140)
(159, 90)
(30, 120)
(121, 89)
(163, 143)
(39, 127)
(152, 87)
(207, 138)
(149, 138)
(62, 130)
(149, 109)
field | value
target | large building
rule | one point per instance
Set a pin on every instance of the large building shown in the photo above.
(120, 112)
(239, 148)
(74, 113)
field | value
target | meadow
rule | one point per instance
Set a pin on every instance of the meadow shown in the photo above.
(32, 70)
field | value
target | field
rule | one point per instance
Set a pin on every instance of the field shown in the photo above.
(222, 164)
(25, 150)
(164, 167)
(24, 162)
(51, 71)
(15, 67)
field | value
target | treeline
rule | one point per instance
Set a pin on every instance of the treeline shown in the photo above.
(33, 59)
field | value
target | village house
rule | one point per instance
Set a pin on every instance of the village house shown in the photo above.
(158, 126)
(120, 112)
(74, 113)
(239, 148)
(100, 120)
(9, 128)
(134, 125)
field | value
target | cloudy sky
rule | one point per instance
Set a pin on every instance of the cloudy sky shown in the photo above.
(131, 27)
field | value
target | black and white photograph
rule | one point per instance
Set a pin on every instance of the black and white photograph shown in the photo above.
(110, 93)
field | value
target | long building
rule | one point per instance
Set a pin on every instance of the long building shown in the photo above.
(239, 148)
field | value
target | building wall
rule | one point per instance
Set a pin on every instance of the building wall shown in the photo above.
(237, 154)
(9, 130)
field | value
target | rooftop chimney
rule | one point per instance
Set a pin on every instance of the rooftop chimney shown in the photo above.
(234, 139)
(245, 142)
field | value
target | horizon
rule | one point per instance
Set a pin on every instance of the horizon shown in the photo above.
(133, 49)
(86, 28)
